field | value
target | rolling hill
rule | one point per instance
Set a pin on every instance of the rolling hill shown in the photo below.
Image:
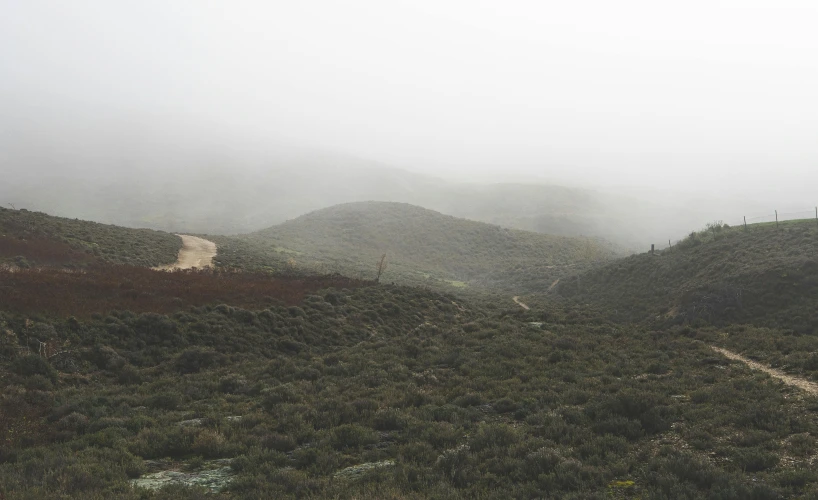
(199, 180)
(766, 275)
(119, 380)
(427, 247)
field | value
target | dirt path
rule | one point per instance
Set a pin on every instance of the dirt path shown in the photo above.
(517, 300)
(195, 253)
(806, 385)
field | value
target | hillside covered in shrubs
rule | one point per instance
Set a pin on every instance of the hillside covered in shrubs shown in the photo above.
(33, 239)
(425, 247)
(765, 274)
(262, 379)
(389, 392)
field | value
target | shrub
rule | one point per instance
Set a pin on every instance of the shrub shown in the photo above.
(34, 365)
(542, 461)
(163, 401)
(195, 360)
(352, 436)
(493, 436)
(389, 420)
(279, 442)
(456, 466)
(754, 459)
(208, 443)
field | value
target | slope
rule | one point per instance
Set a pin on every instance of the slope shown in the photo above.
(766, 275)
(34, 239)
(424, 246)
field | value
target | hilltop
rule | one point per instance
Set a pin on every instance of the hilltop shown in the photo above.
(765, 274)
(424, 246)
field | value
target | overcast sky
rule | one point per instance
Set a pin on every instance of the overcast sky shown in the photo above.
(702, 93)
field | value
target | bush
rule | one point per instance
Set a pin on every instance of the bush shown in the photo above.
(33, 364)
(352, 436)
(754, 459)
(493, 436)
(196, 360)
(389, 420)
(163, 401)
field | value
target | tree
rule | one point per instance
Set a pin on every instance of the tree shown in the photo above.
(381, 268)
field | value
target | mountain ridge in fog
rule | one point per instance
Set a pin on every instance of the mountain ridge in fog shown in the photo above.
(192, 177)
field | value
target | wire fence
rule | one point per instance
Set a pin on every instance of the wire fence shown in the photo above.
(777, 216)
(774, 218)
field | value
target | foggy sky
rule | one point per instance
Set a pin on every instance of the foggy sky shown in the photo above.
(706, 95)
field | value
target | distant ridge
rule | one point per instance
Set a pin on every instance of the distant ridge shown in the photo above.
(424, 245)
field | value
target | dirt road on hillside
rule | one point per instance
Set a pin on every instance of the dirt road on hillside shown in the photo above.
(517, 300)
(806, 385)
(195, 253)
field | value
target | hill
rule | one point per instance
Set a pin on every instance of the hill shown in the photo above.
(119, 378)
(423, 247)
(199, 180)
(766, 274)
(34, 239)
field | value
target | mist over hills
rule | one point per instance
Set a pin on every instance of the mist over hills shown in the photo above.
(205, 180)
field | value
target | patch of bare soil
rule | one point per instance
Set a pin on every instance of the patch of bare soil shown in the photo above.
(805, 385)
(195, 253)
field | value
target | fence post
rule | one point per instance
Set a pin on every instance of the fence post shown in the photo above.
(651, 248)
(745, 220)
(669, 245)
(816, 213)
(776, 218)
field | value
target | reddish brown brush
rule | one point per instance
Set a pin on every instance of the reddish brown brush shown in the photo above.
(43, 251)
(100, 289)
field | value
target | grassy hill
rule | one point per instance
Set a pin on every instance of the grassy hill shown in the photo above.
(426, 247)
(766, 275)
(34, 238)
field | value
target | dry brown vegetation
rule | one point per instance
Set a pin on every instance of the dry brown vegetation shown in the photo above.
(42, 251)
(100, 289)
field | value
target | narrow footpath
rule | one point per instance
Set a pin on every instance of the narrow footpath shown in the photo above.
(806, 385)
(517, 300)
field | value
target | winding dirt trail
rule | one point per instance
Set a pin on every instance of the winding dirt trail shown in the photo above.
(806, 385)
(517, 300)
(195, 253)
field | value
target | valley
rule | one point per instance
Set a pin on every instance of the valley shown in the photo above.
(557, 368)
(407, 250)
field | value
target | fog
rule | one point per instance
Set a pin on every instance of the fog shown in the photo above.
(680, 112)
